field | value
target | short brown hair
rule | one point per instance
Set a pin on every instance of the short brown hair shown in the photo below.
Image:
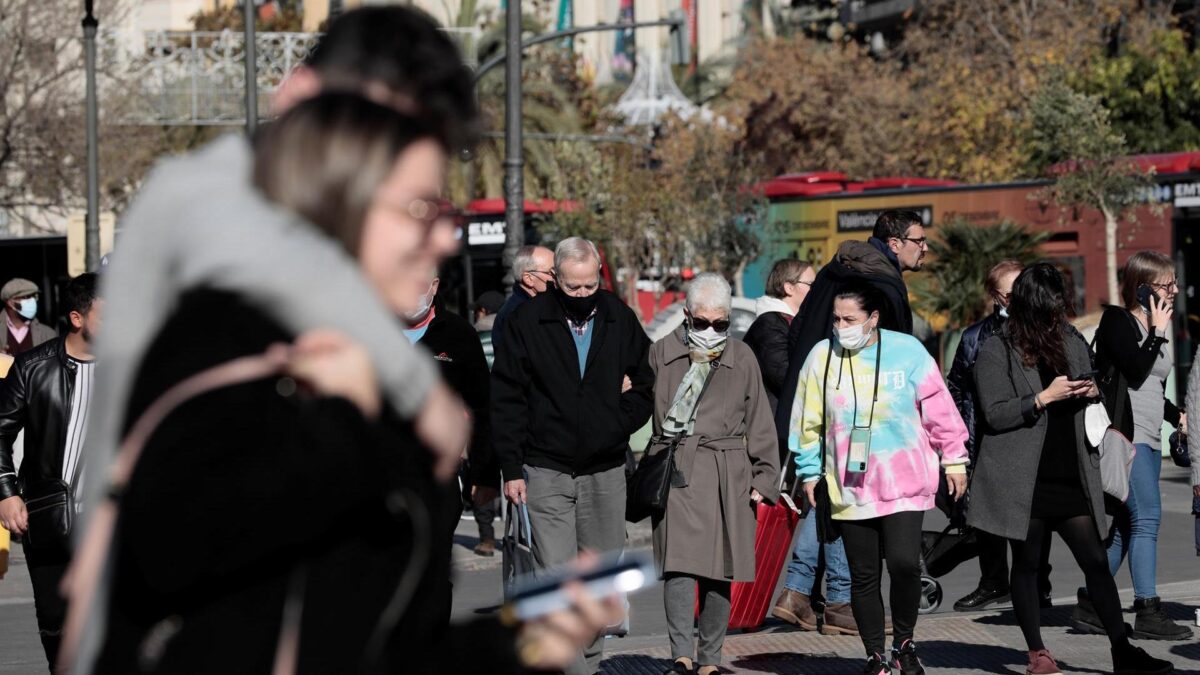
(1143, 267)
(786, 271)
(999, 270)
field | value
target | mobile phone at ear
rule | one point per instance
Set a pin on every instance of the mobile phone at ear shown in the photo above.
(1144, 293)
(536, 596)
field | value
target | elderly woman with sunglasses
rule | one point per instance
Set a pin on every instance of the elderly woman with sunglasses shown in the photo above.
(710, 403)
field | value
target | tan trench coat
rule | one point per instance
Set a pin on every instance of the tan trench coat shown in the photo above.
(708, 527)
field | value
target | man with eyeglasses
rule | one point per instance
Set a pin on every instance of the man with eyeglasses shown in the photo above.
(897, 245)
(562, 416)
(533, 273)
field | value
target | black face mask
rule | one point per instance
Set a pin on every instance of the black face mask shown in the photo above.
(577, 309)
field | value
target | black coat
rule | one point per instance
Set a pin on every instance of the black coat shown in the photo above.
(1117, 345)
(544, 414)
(459, 354)
(961, 380)
(252, 493)
(768, 339)
(36, 397)
(814, 321)
(519, 297)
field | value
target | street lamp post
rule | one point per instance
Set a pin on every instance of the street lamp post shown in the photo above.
(251, 69)
(91, 123)
(514, 163)
(514, 158)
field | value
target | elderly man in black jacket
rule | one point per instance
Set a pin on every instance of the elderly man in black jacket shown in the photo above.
(47, 393)
(562, 417)
(897, 245)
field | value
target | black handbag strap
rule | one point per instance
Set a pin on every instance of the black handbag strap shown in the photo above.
(825, 407)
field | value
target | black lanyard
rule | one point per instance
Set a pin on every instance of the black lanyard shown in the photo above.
(854, 387)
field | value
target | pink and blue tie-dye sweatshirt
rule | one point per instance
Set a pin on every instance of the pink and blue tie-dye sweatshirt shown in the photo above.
(916, 426)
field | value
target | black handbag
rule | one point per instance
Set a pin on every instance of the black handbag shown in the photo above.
(50, 505)
(647, 490)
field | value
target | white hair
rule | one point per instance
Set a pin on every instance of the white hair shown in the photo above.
(577, 249)
(709, 291)
(523, 262)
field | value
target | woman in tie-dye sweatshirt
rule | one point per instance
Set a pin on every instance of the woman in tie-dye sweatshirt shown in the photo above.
(885, 384)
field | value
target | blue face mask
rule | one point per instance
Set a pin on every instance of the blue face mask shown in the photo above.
(27, 308)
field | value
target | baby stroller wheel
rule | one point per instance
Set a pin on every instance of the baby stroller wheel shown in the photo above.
(931, 595)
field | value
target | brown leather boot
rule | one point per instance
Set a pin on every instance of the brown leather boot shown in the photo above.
(839, 620)
(796, 609)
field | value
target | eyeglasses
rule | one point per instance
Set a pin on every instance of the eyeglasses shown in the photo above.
(549, 273)
(797, 281)
(430, 212)
(919, 241)
(720, 325)
(1174, 283)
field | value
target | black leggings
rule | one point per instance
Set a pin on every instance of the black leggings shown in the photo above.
(898, 538)
(1080, 535)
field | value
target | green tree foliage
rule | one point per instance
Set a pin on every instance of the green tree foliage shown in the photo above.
(1152, 90)
(953, 282)
(1072, 141)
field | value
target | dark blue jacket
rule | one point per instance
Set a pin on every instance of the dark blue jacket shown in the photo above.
(518, 298)
(961, 380)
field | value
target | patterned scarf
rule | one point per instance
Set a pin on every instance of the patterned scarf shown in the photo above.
(679, 420)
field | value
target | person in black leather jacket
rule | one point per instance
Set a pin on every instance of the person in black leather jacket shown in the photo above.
(993, 550)
(47, 393)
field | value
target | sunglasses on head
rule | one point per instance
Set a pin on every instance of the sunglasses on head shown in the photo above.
(720, 325)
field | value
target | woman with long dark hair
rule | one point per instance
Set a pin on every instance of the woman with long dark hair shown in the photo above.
(1036, 471)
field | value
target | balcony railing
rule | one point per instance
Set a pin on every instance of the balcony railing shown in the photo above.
(198, 78)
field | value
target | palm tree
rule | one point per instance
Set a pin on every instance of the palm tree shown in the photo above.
(953, 283)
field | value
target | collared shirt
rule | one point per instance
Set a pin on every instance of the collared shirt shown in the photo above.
(18, 333)
(581, 328)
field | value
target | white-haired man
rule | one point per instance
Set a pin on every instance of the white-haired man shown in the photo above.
(561, 417)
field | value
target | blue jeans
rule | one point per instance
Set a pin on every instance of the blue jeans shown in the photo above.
(802, 569)
(1135, 528)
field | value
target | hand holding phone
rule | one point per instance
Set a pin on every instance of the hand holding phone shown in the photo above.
(1086, 375)
(608, 575)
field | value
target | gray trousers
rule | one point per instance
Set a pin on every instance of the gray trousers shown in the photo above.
(569, 514)
(679, 597)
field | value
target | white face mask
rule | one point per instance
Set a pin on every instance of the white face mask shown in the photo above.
(27, 308)
(422, 309)
(708, 339)
(854, 337)
(1003, 312)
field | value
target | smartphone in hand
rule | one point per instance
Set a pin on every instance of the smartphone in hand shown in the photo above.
(1087, 375)
(536, 596)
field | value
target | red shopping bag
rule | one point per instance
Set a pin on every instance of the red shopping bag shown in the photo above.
(772, 545)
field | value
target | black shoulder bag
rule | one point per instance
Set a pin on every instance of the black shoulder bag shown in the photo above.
(650, 484)
(50, 504)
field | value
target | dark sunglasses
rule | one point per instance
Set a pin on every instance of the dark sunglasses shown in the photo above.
(720, 325)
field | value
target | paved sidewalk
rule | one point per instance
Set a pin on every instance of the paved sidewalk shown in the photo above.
(986, 642)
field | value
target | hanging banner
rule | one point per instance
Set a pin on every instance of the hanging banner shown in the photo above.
(625, 48)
